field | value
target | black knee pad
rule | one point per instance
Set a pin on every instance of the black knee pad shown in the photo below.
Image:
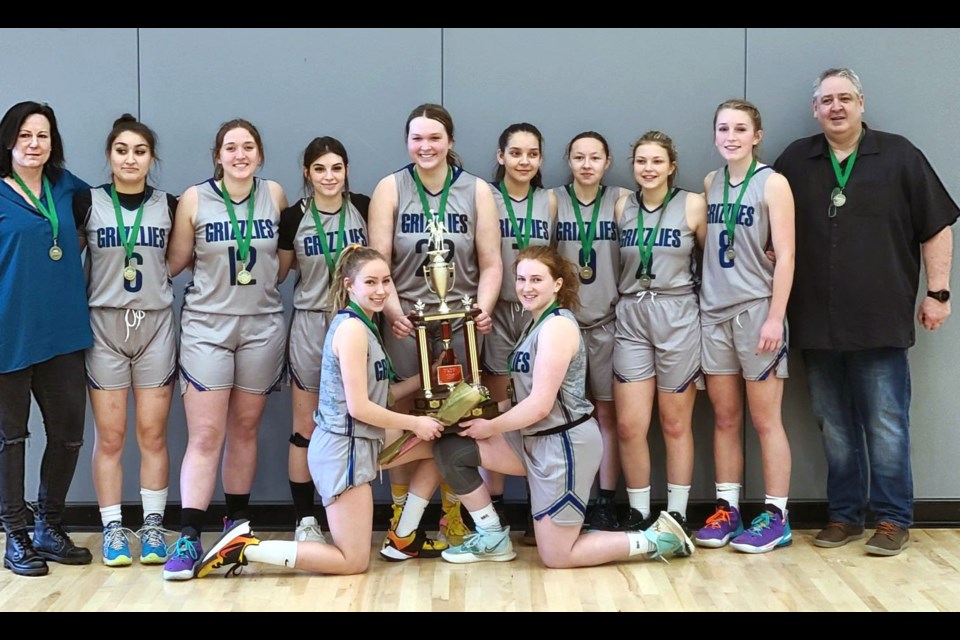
(298, 440)
(458, 459)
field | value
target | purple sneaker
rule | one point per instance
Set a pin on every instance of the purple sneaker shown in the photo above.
(768, 531)
(720, 527)
(184, 554)
(227, 524)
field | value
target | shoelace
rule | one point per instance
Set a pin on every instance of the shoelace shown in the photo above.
(115, 538)
(473, 543)
(760, 523)
(183, 548)
(718, 519)
(454, 522)
(886, 529)
(138, 317)
(153, 535)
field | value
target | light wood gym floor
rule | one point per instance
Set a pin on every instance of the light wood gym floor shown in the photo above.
(802, 577)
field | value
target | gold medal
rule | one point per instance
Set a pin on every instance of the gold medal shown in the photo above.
(55, 253)
(730, 254)
(244, 276)
(839, 199)
(586, 273)
(645, 281)
(130, 273)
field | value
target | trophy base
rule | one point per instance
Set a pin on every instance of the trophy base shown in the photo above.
(430, 406)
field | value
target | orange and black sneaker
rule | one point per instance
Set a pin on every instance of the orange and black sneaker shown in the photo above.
(415, 545)
(230, 549)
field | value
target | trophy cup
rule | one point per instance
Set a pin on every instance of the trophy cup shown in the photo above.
(466, 396)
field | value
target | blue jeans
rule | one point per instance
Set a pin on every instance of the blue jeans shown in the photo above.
(861, 400)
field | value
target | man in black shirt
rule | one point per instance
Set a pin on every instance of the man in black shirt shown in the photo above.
(868, 207)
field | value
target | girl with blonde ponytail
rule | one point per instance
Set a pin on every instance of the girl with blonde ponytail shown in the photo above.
(352, 417)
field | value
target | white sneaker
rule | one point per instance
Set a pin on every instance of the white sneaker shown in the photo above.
(308, 530)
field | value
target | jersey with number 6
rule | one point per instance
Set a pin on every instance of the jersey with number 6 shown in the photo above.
(411, 239)
(151, 289)
(215, 287)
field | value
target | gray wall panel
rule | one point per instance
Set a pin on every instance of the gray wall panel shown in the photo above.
(910, 88)
(360, 84)
(89, 77)
(600, 80)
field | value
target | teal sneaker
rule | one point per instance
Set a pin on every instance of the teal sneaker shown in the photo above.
(153, 540)
(116, 547)
(670, 539)
(482, 546)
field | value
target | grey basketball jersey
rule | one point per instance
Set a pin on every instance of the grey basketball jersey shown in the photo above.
(313, 274)
(215, 288)
(411, 240)
(332, 414)
(151, 290)
(729, 286)
(672, 263)
(598, 293)
(540, 233)
(571, 403)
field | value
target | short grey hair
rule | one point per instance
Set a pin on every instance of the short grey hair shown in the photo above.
(841, 72)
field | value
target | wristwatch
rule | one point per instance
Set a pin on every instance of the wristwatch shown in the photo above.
(941, 296)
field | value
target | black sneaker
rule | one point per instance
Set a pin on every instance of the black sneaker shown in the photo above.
(636, 522)
(53, 543)
(682, 522)
(529, 537)
(603, 517)
(20, 556)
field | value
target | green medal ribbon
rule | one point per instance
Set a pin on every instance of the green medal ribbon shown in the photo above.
(553, 307)
(844, 176)
(126, 240)
(322, 235)
(730, 217)
(376, 332)
(49, 213)
(443, 196)
(646, 247)
(524, 239)
(586, 235)
(243, 240)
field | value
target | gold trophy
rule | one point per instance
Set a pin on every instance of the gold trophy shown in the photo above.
(467, 397)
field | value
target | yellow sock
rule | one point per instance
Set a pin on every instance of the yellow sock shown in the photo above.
(399, 493)
(448, 498)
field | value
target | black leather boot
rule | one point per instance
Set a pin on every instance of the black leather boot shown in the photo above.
(53, 543)
(20, 556)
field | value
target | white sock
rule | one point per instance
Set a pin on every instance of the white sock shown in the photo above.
(729, 491)
(110, 514)
(677, 496)
(487, 518)
(282, 553)
(639, 543)
(640, 500)
(412, 513)
(779, 503)
(153, 501)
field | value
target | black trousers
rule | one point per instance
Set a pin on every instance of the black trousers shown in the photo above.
(59, 387)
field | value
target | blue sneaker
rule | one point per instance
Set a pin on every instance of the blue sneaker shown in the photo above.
(116, 547)
(228, 524)
(482, 546)
(184, 554)
(769, 530)
(669, 537)
(153, 541)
